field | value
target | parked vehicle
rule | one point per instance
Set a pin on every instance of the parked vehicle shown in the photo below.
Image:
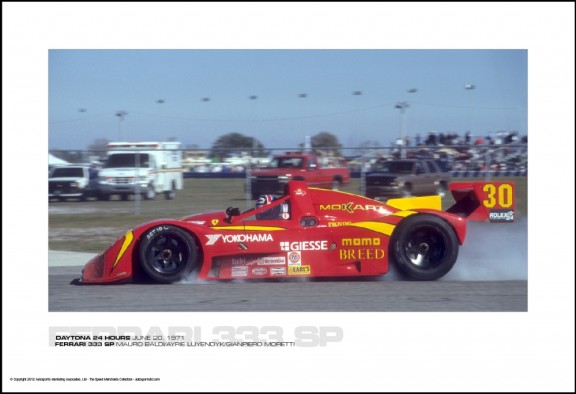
(299, 167)
(146, 168)
(405, 178)
(72, 181)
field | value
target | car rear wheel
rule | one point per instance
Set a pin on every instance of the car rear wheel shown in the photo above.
(168, 254)
(424, 247)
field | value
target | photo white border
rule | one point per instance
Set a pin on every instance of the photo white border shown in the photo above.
(531, 351)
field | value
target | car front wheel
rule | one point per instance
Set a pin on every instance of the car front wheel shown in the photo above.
(424, 247)
(168, 254)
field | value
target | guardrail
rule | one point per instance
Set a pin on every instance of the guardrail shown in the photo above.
(358, 174)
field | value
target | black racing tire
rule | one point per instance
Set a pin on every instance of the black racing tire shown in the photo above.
(168, 254)
(424, 247)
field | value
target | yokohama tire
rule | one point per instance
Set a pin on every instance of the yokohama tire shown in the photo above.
(424, 247)
(168, 254)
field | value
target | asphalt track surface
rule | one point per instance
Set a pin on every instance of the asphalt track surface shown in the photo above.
(342, 295)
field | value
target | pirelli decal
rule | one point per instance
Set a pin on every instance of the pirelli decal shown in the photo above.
(382, 228)
(128, 237)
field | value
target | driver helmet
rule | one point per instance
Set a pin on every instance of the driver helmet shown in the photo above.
(264, 200)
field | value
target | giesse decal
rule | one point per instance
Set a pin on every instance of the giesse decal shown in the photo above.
(304, 245)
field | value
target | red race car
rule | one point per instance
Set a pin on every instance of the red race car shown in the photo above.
(307, 232)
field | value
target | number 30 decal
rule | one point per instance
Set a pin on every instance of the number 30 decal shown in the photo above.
(498, 195)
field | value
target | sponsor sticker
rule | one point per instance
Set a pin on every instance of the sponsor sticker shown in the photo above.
(501, 216)
(360, 241)
(300, 270)
(294, 258)
(338, 224)
(235, 238)
(351, 207)
(304, 245)
(280, 260)
(240, 270)
(275, 271)
(361, 254)
(260, 271)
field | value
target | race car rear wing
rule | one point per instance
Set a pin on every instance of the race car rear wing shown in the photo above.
(484, 201)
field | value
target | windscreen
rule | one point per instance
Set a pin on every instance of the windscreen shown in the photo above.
(397, 167)
(127, 160)
(286, 162)
(75, 172)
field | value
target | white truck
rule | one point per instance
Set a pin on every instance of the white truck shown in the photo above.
(145, 168)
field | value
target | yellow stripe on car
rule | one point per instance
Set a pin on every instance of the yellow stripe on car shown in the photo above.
(250, 228)
(127, 240)
(382, 228)
(409, 203)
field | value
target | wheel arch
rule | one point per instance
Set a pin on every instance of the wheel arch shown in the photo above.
(403, 232)
(136, 263)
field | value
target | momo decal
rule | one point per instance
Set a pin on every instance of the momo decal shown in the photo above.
(360, 241)
(231, 238)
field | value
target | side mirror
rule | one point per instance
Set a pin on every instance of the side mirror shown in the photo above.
(231, 212)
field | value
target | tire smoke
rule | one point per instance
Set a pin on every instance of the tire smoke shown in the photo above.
(493, 252)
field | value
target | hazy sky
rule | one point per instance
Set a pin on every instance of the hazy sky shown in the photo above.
(259, 93)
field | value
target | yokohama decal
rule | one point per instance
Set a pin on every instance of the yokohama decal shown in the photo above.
(231, 238)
